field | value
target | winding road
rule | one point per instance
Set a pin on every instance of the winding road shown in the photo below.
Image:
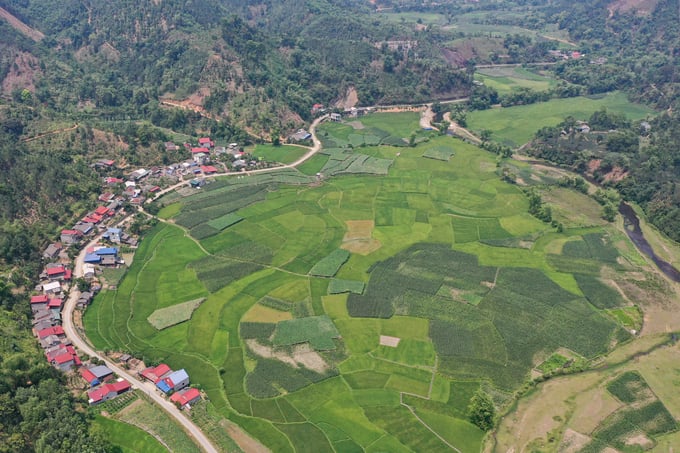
(77, 337)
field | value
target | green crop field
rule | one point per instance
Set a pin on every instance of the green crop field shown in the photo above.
(170, 316)
(515, 126)
(332, 301)
(507, 79)
(128, 438)
(285, 154)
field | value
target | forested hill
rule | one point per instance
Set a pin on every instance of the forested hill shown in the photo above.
(264, 63)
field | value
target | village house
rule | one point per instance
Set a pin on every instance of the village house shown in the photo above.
(175, 381)
(105, 163)
(54, 272)
(113, 235)
(101, 372)
(106, 197)
(205, 142)
(186, 397)
(55, 303)
(84, 299)
(66, 361)
(39, 302)
(300, 135)
(55, 330)
(208, 169)
(155, 374)
(52, 251)
(200, 155)
(62, 353)
(84, 227)
(89, 377)
(170, 146)
(70, 236)
(111, 180)
(139, 174)
(92, 258)
(52, 288)
(336, 117)
(108, 391)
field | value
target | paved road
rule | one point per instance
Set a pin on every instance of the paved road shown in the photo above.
(75, 336)
(313, 150)
(147, 387)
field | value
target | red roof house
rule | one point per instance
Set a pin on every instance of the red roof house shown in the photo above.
(155, 374)
(108, 391)
(106, 197)
(56, 330)
(41, 299)
(55, 303)
(205, 141)
(102, 210)
(55, 273)
(208, 169)
(111, 180)
(184, 397)
(200, 150)
(68, 275)
(89, 377)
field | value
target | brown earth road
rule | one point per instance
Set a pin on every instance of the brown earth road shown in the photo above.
(32, 33)
(44, 134)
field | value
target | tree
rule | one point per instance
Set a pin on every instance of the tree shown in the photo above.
(481, 410)
(485, 135)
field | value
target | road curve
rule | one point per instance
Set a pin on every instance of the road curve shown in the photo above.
(313, 150)
(147, 387)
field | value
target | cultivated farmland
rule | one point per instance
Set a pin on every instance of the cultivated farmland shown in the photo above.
(515, 126)
(363, 311)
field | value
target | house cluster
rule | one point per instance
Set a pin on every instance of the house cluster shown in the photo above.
(173, 383)
(103, 384)
(568, 55)
(56, 277)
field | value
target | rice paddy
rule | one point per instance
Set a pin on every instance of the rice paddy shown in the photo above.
(302, 291)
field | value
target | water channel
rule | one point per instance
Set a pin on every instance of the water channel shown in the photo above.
(632, 227)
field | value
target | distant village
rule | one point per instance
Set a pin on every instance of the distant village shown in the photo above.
(106, 223)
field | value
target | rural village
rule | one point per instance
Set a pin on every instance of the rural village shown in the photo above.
(108, 258)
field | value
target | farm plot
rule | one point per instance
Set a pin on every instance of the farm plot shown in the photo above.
(491, 338)
(330, 265)
(439, 153)
(287, 343)
(319, 331)
(507, 79)
(637, 423)
(515, 126)
(170, 316)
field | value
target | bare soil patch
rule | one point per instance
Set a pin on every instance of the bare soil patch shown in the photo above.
(243, 440)
(591, 408)
(573, 441)
(358, 237)
(260, 313)
(348, 101)
(641, 7)
(32, 33)
(302, 354)
(641, 440)
(22, 73)
(392, 342)
(356, 125)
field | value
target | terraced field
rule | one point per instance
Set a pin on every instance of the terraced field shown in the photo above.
(363, 311)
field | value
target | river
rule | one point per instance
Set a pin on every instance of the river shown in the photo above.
(632, 227)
